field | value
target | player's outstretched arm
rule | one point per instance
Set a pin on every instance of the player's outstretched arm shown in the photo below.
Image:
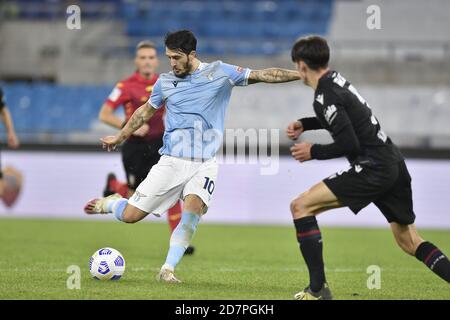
(273, 75)
(139, 118)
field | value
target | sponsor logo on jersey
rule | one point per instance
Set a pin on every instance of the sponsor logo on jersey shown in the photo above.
(330, 113)
(319, 98)
(115, 94)
(358, 168)
(175, 83)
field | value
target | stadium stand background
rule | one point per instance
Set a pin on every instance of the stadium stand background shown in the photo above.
(56, 79)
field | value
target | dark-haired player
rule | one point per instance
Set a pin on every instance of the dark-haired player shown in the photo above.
(378, 173)
(196, 96)
(140, 150)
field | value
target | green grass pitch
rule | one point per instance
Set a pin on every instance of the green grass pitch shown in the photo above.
(231, 262)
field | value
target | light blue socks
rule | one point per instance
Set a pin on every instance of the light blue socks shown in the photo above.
(180, 239)
(117, 207)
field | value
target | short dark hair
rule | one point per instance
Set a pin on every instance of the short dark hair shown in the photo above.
(312, 50)
(183, 40)
(145, 44)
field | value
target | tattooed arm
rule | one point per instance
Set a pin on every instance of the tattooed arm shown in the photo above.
(273, 75)
(139, 117)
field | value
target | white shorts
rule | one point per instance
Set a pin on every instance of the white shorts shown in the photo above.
(172, 179)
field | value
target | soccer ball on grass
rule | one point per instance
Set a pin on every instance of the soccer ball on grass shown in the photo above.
(107, 264)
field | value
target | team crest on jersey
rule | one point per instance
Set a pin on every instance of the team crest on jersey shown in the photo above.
(137, 196)
(239, 69)
(330, 113)
(319, 98)
(149, 88)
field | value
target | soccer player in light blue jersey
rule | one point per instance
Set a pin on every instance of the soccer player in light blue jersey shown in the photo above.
(196, 95)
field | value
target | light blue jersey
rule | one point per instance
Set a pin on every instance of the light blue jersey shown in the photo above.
(195, 108)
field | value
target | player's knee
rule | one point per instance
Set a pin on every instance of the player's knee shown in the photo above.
(194, 204)
(299, 207)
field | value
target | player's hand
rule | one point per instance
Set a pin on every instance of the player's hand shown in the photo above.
(110, 143)
(13, 141)
(142, 131)
(301, 151)
(294, 130)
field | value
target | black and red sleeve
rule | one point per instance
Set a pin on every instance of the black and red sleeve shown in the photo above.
(345, 143)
